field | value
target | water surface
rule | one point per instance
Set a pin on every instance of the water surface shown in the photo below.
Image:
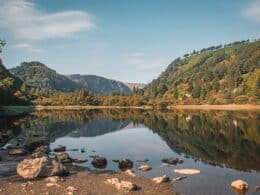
(223, 145)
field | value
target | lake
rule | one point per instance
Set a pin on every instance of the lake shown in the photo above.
(223, 145)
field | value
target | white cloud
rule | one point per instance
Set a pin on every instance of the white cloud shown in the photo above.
(28, 47)
(146, 63)
(252, 11)
(26, 21)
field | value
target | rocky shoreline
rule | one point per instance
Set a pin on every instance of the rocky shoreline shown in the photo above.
(28, 166)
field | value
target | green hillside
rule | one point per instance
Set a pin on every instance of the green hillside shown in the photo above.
(12, 89)
(39, 76)
(214, 75)
(44, 80)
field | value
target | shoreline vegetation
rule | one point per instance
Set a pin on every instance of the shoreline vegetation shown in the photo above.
(19, 110)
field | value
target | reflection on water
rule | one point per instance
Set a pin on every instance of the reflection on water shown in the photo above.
(221, 143)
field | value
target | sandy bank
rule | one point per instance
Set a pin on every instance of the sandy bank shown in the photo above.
(85, 182)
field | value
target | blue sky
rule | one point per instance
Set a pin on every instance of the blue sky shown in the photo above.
(127, 40)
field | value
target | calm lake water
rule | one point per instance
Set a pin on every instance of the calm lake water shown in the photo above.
(223, 145)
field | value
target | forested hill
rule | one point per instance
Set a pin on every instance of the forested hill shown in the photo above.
(12, 89)
(41, 78)
(214, 75)
(37, 75)
(100, 85)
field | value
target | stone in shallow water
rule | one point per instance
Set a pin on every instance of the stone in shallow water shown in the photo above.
(162, 179)
(178, 178)
(187, 171)
(144, 168)
(60, 149)
(124, 163)
(172, 161)
(99, 161)
(143, 160)
(79, 160)
(239, 185)
(18, 151)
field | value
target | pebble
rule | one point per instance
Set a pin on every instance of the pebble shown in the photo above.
(130, 172)
(71, 189)
(52, 185)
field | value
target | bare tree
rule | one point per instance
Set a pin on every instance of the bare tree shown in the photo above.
(2, 44)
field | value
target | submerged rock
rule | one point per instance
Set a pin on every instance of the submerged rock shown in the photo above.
(187, 171)
(143, 160)
(99, 161)
(122, 185)
(60, 149)
(144, 168)
(18, 151)
(162, 179)
(79, 160)
(239, 185)
(172, 161)
(165, 165)
(124, 163)
(178, 178)
(63, 157)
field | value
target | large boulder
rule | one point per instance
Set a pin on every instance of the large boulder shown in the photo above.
(63, 157)
(40, 167)
(32, 168)
(124, 163)
(99, 162)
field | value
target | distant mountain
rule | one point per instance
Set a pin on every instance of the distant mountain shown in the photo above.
(135, 85)
(100, 85)
(12, 88)
(215, 75)
(38, 75)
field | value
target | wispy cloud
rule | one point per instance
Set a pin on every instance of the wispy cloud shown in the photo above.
(142, 62)
(252, 11)
(26, 21)
(28, 47)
